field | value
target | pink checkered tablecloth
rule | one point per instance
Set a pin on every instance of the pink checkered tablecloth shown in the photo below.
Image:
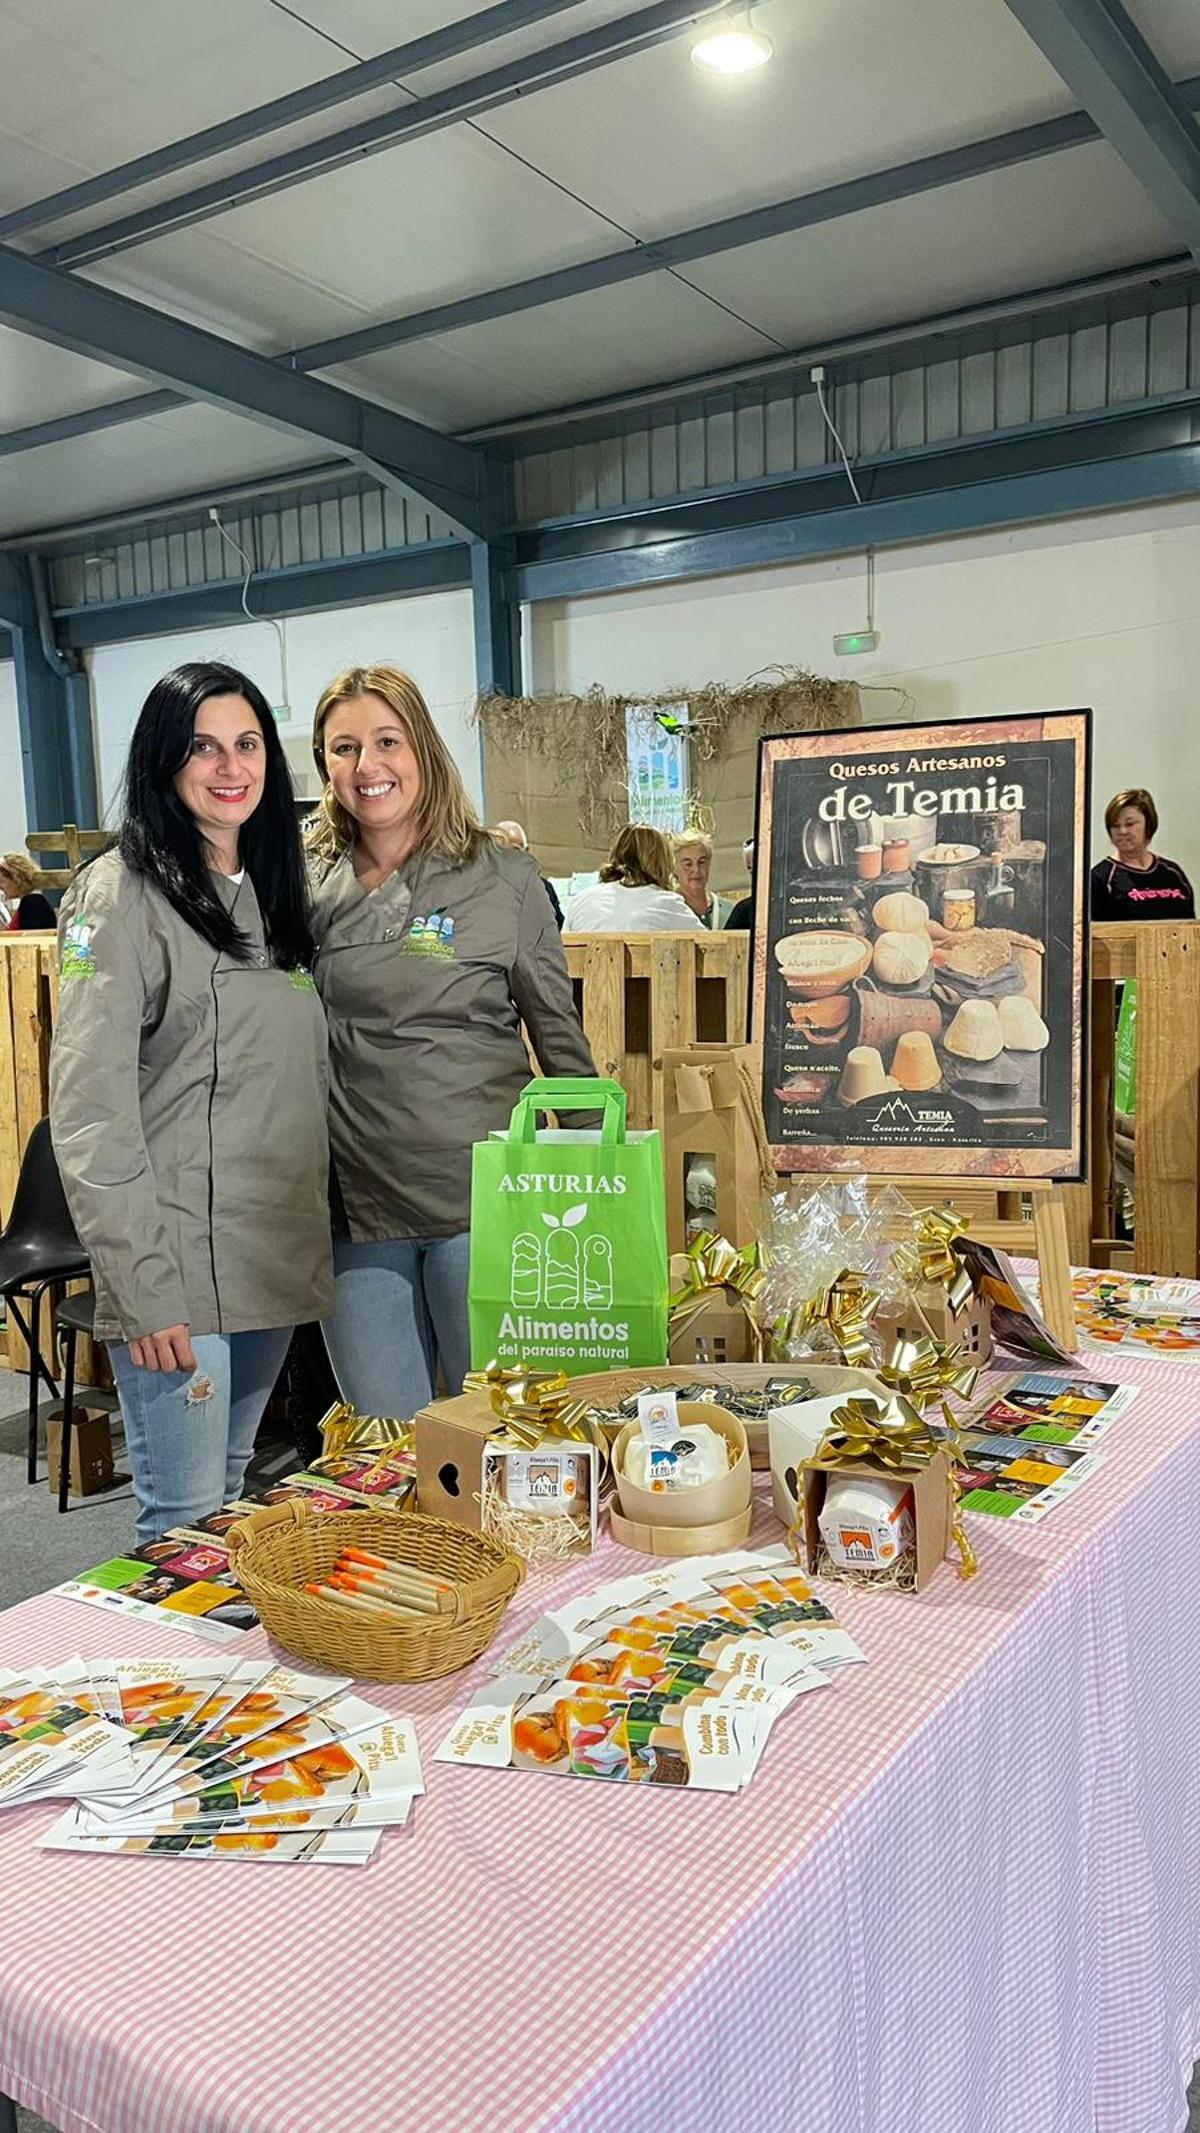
(962, 1894)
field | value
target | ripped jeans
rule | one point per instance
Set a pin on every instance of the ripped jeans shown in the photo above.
(190, 1433)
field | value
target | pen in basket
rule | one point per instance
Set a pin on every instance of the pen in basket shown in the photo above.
(410, 1601)
(338, 1595)
(406, 1582)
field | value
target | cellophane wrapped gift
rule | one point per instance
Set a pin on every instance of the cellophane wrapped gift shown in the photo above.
(844, 1232)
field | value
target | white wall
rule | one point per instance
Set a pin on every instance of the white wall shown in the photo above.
(430, 638)
(1102, 611)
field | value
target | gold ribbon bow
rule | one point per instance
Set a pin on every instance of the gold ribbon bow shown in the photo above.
(925, 1370)
(844, 1307)
(343, 1430)
(532, 1404)
(890, 1433)
(894, 1435)
(931, 1255)
(712, 1264)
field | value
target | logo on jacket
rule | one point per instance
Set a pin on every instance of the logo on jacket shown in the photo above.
(431, 936)
(78, 958)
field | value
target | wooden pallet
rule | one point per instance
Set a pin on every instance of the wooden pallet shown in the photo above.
(25, 1025)
(28, 1003)
(1165, 960)
(640, 994)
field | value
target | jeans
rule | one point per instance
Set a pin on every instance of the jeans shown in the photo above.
(190, 1434)
(399, 1308)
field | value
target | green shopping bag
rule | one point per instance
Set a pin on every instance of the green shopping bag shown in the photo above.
(1125, 1064)
(568, 1238)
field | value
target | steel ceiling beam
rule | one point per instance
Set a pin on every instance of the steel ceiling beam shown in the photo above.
(99, 323)
(581, 54)
(1042, 471)
(304, 589)
(1105, 61)
(411, 58)
(706, 240)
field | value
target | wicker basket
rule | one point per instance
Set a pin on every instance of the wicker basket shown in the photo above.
(276, 1552)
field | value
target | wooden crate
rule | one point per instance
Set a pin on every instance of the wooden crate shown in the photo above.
(28, 1001)
(25, 1025)
(1165, 960)
(639, 994)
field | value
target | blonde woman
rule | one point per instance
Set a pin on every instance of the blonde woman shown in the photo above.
(693, 863)
(23, 908)
(634, 893)
(434, 945)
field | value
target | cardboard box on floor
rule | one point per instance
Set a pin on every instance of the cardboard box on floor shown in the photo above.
(91, 1451)
(931, 1486)
(710, 1098)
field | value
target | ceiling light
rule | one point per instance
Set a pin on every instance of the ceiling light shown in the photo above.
(734, 47)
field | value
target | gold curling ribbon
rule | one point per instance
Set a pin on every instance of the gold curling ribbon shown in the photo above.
(931, 1256)
(893, 1434)
(343, 1430)
(845, 1308)
(535, 1404)
(925, 1370)
(713, 1264)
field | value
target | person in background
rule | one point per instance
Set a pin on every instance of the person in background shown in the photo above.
(434, 944)
(693, 863)
(513, 835)
(634, 893)
(1135, 882)
(26, 909)
(188, 1089)
(741, 918)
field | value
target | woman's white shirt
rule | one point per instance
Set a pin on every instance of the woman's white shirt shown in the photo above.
(612, 908)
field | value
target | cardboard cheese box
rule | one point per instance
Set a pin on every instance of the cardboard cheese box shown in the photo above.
(931, 1488)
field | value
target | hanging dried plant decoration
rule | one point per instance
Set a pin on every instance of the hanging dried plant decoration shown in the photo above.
(586, 733)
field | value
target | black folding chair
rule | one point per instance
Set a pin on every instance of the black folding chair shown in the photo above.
(75, 1315)
(38, 1249)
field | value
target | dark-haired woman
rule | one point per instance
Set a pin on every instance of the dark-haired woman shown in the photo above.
(188, 1089)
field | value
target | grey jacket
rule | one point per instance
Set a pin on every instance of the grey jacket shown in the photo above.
(187, 1109)
(426, 981)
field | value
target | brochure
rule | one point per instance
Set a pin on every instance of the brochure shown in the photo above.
(50, 1738)
(369, 1779)
(186, 1576)
(333, 1847)
(704, 1740)
(1041, 1409)
(1009, 1477)
(674, 1677)
(1016, 1321)
(273, 1711)
(260, 1763)
(1151, 1316)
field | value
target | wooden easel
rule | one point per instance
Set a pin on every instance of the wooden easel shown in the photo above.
(74, 843)
(998, 1218)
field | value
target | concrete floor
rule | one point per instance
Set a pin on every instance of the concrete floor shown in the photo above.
(41, 1548)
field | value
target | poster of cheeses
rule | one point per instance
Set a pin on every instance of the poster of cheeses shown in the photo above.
(919, 944)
